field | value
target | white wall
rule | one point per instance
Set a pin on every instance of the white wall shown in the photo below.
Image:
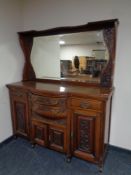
(68, 52)
(11, 58)
(43, 14)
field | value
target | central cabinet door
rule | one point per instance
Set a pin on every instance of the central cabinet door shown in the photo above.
(86, 134)
(57, 138)
(39, 133)
(51, 136)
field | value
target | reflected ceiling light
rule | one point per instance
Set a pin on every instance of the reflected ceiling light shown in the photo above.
(61, 42)
(98, 34)
(62, 89)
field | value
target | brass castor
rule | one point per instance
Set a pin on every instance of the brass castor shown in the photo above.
(33, 145)
(100, 169)
(15, 137)
(68, 159)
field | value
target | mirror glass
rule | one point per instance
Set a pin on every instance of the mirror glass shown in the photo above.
(76, 56)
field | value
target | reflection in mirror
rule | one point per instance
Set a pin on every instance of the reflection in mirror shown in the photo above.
(45, 56)
(76, 56)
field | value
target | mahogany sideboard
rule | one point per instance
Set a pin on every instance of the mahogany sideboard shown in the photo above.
(72, 120)
(71, 116)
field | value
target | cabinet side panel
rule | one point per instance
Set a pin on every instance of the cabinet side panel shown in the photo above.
(20, 113)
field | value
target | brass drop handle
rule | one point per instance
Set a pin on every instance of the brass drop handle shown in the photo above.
(85, 105)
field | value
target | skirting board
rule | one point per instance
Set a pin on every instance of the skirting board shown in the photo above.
(119, 149)
(6, 141)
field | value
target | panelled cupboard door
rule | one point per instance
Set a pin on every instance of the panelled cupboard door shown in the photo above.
(20, 116)
(86, 135)
(57, 138)
(39, 133)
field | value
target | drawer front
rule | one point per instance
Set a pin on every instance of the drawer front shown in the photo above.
(50, 101)
(86, 103)
(49, 111)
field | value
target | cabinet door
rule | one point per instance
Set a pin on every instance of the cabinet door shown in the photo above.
(39, 133)
(57, 139)
(86, 135)
(20, 117)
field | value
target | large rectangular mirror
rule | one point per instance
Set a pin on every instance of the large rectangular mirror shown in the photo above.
(76, 56)
(84, 54)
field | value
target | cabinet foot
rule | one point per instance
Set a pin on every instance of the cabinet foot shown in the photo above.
(100, 169)
(68, 159)
(15, 137)
(33, 145)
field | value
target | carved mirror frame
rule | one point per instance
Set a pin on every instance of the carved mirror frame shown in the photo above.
(109, 28)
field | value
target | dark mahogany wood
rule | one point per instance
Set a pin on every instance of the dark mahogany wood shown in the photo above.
(81, 129)
(57, 139)
(66, 116)
(108, 26)
(26, 45)
(19, 110)
(39, 133)
(86, 135)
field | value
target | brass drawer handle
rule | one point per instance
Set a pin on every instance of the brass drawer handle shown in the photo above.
(85, 105)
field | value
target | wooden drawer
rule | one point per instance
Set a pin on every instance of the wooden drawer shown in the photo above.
(86, 103)
(49, 111)
(49, 101)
